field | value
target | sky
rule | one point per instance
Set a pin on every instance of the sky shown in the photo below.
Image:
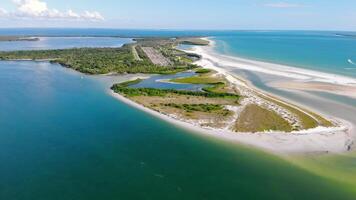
(174, 14)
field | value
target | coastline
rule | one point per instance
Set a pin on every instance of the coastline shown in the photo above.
(300, 74)
(317, 140)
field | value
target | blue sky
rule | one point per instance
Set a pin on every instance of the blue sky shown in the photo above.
(174, 14)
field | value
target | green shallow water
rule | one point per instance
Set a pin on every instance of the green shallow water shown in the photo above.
(62, 136)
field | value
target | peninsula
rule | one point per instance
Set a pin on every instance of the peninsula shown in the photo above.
(222, 103)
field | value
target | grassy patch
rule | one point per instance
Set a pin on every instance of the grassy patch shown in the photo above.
(307, 121)
(205, 76)
(119, 88)
(257, 119)
(193, 41)
(196, 107)
(197, 80)
(214, 84)
(202, 71)
(216, 87)
(128, 83)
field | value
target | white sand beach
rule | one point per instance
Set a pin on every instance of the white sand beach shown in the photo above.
(343, 90)
(318, 140)
(270, 68)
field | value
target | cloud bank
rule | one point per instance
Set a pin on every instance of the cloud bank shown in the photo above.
(37, 9)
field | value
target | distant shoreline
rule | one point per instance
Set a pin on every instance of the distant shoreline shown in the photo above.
(18, 38)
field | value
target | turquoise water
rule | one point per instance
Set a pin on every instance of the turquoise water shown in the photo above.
(62, 136)
(321, 51)
(63, 43)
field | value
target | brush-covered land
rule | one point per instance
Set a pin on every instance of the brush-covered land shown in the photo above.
(128, 59)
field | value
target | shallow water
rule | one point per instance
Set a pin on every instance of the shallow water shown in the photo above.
(321, 51)
(161, 82)
(338, 167)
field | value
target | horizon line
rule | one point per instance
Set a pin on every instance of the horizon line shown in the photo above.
(179, 29)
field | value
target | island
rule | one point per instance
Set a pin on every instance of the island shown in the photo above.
(17, 38)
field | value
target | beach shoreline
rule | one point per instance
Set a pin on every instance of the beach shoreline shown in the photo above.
(336, 139)
(300, 74)
(318, 140)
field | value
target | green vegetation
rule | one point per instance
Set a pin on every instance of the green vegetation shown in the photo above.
(129, 83)
(134, 53)
(97, 60)
(193, 41)
(308, 119)
(215, 87)
(202, 71)
(205, 76)
(128, 59)
(257, 119)
(163, 92)
(196, 107)
(123, 88)
(197, 80)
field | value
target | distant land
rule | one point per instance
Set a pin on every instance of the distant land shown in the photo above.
(17, 38)
(346, 35)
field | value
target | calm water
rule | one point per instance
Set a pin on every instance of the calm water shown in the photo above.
(63, 137)
(321, 51)
(63, 43)
(161, 82)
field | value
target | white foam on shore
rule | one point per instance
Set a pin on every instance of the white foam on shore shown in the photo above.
(270, 68)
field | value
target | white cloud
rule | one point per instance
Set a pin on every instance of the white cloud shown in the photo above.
(3, 12)
(37, 9)
(283, 5)
(95, 15)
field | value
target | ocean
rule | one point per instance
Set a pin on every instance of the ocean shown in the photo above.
(63, 136)
(321, 51)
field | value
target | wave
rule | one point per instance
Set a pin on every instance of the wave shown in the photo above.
(351, 62)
